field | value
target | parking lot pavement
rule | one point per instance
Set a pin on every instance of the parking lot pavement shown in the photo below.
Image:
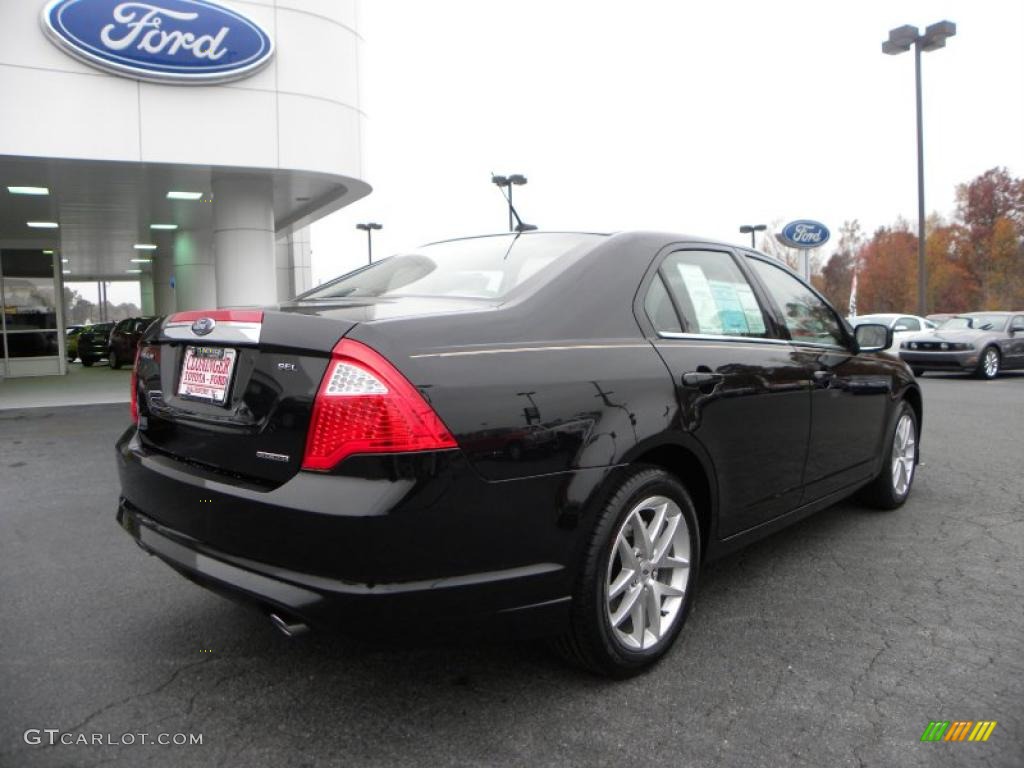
(832, 643)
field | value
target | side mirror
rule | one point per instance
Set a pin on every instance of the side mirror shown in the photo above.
(873, 337)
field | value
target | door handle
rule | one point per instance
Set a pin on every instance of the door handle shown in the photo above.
(701, 379)
(823, 378)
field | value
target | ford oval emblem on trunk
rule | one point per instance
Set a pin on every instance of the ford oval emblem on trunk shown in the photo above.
(203, 326)
(804, 233)
(169, 41)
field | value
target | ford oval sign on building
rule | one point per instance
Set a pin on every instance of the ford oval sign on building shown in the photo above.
(166, 41)
(804, 233)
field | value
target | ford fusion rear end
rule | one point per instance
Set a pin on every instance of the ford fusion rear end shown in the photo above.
(279, 459)
(544, 433)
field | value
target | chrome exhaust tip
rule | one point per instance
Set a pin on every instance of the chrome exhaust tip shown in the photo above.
(289, 629)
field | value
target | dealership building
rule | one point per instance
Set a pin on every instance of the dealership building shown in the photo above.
(182, 144)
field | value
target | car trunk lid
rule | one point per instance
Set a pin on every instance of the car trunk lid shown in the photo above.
(233, 390)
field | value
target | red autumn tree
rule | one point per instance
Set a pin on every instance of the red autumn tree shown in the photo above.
(990, 210)
(951, 285)
(887, 271)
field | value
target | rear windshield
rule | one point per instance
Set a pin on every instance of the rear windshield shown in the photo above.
(977, 322)
(475, 268)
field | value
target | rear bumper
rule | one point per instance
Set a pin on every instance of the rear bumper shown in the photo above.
(369, 610)
(941, 361)
(92, 351)
(432, 551)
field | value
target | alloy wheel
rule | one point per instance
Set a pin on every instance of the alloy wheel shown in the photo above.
(904, 450)
(991, 363)
(648, 573)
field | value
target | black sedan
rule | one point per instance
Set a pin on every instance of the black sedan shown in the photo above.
(94, 343)
(545, 432)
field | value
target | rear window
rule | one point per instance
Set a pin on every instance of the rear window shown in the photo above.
(475, 268)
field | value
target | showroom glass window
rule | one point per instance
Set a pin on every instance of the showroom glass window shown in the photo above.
(807, 317)
(713, 296)
(28, 292)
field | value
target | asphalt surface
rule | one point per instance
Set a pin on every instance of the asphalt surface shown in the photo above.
(833, 643)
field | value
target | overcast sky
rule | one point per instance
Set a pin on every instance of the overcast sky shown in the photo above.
(683, 116)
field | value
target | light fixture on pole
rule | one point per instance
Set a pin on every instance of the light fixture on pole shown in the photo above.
(507, 182)
(368, 227)
(900, 41)
(751, 229)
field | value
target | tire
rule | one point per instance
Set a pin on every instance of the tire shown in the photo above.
(87, 362)
(887, 491)
(619, 649)
(114, 361)
(918, 372)
(988, 364)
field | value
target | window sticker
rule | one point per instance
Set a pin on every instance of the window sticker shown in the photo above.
(702, 298)
(730, 311)
(755, 320)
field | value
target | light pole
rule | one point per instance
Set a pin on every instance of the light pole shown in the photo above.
(900, 40)
(369, 227)
(507, 182)
(752, 228)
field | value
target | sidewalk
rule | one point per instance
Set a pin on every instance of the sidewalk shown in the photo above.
(82, 386)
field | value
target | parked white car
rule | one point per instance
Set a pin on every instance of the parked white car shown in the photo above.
(901, 325)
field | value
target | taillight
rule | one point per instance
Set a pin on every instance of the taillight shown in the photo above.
(142, 352)
(365, 405)
(135, 387)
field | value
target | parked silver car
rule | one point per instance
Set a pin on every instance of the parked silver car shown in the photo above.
(982, 343)
(902, 326)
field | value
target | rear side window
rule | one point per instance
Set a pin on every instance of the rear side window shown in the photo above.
(807, 317)
(659, 308)
(712, 294)
(474, 268)
(909, 323)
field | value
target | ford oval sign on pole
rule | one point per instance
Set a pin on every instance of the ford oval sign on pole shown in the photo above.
(804, 233)
(165, 41)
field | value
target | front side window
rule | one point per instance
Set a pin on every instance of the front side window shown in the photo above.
(807, 317)
(712, 294)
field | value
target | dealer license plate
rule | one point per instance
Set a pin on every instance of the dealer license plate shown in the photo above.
(206, 373)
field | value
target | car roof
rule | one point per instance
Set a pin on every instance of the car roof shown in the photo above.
(653, 238)
(667, 237)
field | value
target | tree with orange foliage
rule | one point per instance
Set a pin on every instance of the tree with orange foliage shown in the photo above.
(990, 210)
(887, 271)
(951, 285)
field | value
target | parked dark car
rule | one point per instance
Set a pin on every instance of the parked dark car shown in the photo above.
(94, 343)
(982, 343)
(71, 341)
(125, 338)
(346, 459)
